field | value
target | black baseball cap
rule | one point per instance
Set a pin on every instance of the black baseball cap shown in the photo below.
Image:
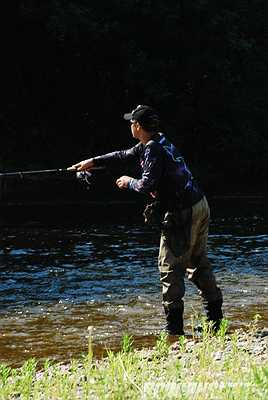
(146, 116)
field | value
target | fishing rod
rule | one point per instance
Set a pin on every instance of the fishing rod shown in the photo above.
(21, 174)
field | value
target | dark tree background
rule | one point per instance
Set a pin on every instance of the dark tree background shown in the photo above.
(70, 69)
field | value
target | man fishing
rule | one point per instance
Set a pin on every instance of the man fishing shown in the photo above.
(178, 206)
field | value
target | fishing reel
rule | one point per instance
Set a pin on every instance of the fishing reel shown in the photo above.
(85, 177)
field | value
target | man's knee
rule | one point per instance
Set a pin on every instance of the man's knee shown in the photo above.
(173, 288)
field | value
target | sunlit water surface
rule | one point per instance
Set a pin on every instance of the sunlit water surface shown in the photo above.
(56, 282)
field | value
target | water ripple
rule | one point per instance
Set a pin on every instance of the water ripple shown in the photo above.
(54, 283)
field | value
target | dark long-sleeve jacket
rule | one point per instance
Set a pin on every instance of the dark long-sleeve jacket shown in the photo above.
(165, 175)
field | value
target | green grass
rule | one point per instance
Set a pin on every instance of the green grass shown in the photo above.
(214, 367)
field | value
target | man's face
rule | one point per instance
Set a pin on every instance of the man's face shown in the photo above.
(135, 129)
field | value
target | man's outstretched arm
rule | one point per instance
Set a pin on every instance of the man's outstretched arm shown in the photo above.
(106, 159)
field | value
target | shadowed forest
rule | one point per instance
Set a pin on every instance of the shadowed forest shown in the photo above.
(70, 69)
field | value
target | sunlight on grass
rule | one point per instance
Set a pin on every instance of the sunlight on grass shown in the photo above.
(217, 366)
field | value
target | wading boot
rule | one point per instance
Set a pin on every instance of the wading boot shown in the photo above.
(174, 317)
(214, 313)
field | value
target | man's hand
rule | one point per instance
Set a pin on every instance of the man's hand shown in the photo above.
(123, 181)
(85, 165)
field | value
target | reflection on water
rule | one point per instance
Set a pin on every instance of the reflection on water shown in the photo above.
(55, 282)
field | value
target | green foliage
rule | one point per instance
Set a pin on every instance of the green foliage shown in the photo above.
(162, 345)
(5, 373)
(223, 328)
(212, 368)
(77, 66)
(127, 344)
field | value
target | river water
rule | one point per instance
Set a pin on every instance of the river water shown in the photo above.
(56, 281)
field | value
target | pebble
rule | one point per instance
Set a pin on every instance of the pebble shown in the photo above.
(255, 343)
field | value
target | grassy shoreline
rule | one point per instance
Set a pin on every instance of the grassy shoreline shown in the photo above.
(222, 366)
